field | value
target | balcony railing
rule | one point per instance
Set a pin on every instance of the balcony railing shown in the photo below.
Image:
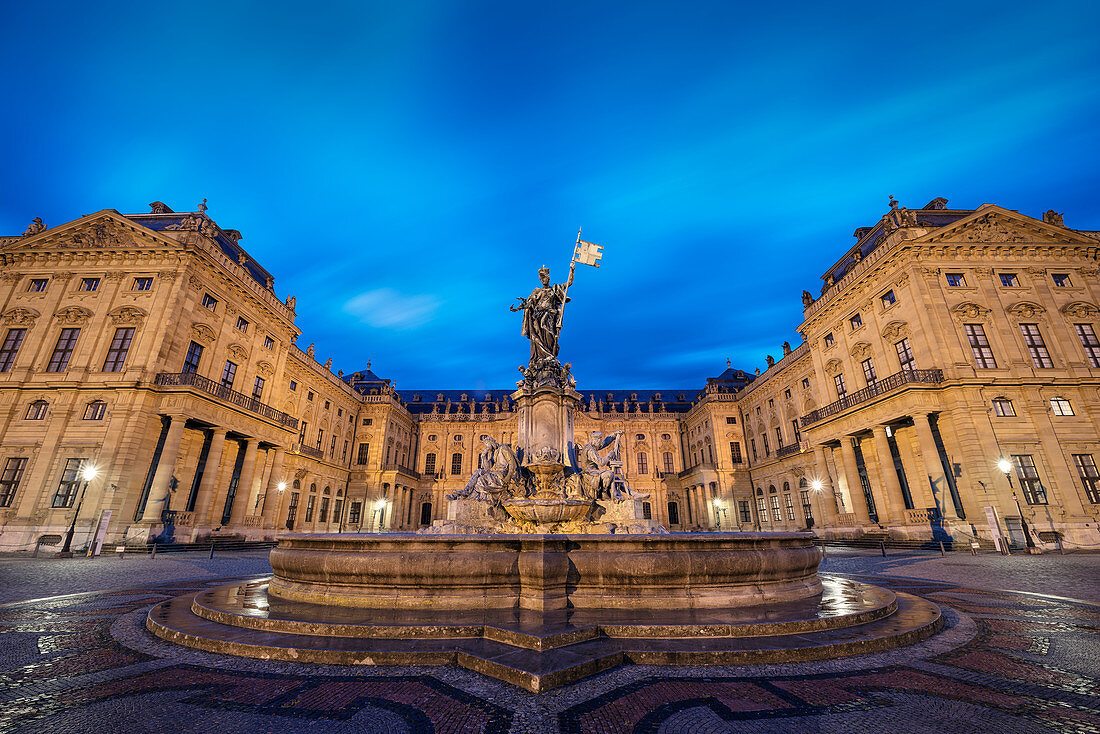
(402, 469)
(311, 451)
(191, 379)
(879, 387)
(791, 448)
(695, 468)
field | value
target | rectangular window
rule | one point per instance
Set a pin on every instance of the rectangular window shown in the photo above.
(354, 511)
(955, 280)
(242, 324)
(778, 437)
(1002, 407)
(258, 388)
(309, 395)
(336, 507)
(788, 505)
(63, 350)
(761, 509)
(643, 464)
(1009, 280)
(309, 508)
(362, 454)
(89, 284)
(95, 411)
(320, 437)
(70, 483)
(1061, 280)
(36, 411)
(752, 445)
(1086, 469)
(10, 348)
(332, 448)
(807, 507)
(302, 433)
(13, 473)
(1061, 406)
(323, 515)
(1035, 345)
(869, 370)
(120, 345)
(776, 513)
(829, 341)
(269, 343)
(905, 354)
(735, 453)
(1028, 475)
(191, 361)
(838, 382)
(344, 453)
(229, 373)
(38, 285)
(856, 321)
(667, 460)
(293, 386)
(368, 421)
(208, 301)
(979, 344)
(888, 299)
(796, 431)
(743, 508)
(806, 382)
(1085, 333)
(767, 450)
(142, 284)
(429, 463)
(647, 511)
(456, 464)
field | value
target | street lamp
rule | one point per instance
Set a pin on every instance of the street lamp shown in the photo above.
(89, 474)
(719, 510)
(1006, 467)
(379, 506)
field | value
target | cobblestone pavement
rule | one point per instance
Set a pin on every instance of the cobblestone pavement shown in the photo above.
(1006, 662)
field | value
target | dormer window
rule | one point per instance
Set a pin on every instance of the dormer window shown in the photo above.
(1009, 280)
(89, 284)
(829, 341)
(856, 321)
(955, 280)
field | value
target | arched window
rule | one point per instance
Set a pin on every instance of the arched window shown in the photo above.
(95, 410)
(802, 483)
(643, 464)
(296, 484)
(36, 411)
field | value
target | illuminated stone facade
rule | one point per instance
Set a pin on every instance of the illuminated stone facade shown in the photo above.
(153, 346)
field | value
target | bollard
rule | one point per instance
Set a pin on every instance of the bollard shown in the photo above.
(824, 555)
(154, 553)
(211, 550)
(882, 545)
(942, 551)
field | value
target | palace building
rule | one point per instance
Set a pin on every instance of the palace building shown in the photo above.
(942, 343)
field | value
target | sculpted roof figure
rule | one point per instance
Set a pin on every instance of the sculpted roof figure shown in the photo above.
(542, 314)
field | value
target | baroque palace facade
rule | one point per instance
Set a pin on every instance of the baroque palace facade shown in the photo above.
(153, 347)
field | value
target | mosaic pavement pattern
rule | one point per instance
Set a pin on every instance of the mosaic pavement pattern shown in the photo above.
(1006, 662)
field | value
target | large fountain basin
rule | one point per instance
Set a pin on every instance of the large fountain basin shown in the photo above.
(543, 572)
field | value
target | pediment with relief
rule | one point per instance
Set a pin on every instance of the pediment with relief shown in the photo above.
(1026, 310)
(995, 225)
(20, 316)
(1079, 310)
(100, 231)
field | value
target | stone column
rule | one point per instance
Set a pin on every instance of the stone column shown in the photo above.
(933, 467)
(244, 482)
(159, 493)
(892, 499)
(828, 489)
(205, 496)
(851, 475)
(271, 492)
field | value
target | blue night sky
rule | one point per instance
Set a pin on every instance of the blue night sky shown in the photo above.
(405, 168)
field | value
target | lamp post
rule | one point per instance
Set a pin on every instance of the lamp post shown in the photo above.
(89, 473)
(719, 510)
(1006, 467)
(818, 487)
(379, 507)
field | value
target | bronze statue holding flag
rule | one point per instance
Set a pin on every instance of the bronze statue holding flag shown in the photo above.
(545, 307)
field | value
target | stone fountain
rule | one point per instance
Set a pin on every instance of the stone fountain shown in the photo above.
(545, 570)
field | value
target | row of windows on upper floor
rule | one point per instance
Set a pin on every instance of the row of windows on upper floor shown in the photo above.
(96, 410)
(1008, 280)
(211, 303)
(90, 285)
(64, 347)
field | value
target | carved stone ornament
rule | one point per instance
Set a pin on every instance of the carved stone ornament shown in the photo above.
(1080, 310)
(832, 367)
(895, 330)
(265, 369)
(190, 223)
(21, 317)
(1052, 217)
(238, 352)
(798, 471)
(929, 272)
(35, 227)
(983, 272)
(989, 229)
(194, 282)
(1026, 310)
(203, 333)
(902, 280)
(127, 316)
(969, 312)
(1090, 272)
(861, 350)
(73, 315)
(101, 234)
(1039, 272)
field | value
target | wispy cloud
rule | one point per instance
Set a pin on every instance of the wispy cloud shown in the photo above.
(385, 308)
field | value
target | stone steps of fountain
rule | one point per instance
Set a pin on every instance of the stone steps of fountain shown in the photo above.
(538, 660)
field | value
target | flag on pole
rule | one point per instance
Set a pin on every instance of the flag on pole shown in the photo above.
(587, 253)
